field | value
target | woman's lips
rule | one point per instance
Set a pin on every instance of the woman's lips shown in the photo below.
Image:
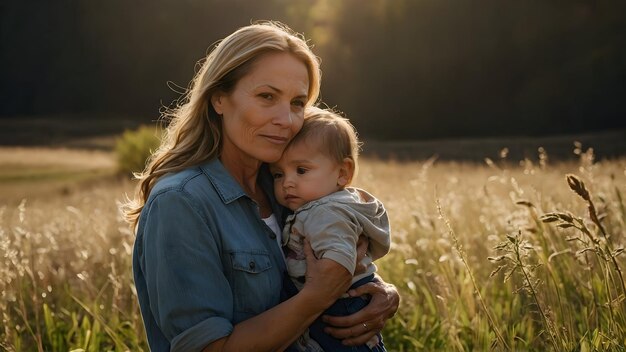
(276, 139)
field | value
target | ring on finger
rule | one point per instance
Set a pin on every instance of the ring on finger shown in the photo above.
(365, 326)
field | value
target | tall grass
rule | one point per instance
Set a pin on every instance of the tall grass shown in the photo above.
(524, 256)
(65, 278)
(546, 284)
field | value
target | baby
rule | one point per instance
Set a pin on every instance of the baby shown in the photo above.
(312, 179)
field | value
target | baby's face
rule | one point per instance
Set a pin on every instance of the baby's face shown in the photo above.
(304, 174)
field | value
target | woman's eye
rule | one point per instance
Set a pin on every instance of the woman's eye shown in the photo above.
(301, 171)
(267, 96)
(298, 103)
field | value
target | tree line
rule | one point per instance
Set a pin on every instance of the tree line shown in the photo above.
(400, 69)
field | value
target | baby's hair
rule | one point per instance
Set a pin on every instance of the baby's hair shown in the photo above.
(331, 134)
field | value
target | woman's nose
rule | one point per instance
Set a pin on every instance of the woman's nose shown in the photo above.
(283, 115)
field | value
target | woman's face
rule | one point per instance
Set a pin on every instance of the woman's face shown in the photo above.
(265, 109)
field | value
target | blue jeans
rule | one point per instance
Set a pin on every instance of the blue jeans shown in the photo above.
(341, 307)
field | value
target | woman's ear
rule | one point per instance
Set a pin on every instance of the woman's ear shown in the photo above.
(346, 172)
(217, 100)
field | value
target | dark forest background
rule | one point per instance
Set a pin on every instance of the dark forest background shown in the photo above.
(400, 69)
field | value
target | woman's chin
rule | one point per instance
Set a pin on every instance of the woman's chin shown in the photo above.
(271, 157)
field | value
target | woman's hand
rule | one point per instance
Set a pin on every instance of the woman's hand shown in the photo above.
(326, 280)
(360, 327)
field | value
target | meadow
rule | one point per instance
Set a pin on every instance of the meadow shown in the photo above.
(501, 255)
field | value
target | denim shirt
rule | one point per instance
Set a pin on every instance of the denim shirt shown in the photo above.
(203, 259)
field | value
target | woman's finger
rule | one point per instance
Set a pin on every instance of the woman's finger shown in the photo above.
(375, 325)
(344, 323)
(360, 326)
(369, 288)
(372, 341)
(360, 340)
(363, 333)
(385, 300)
(375, 309)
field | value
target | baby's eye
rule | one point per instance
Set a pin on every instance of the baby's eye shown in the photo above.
(301, 170)
(277, 175)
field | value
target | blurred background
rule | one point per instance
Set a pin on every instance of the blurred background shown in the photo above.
(453, 78)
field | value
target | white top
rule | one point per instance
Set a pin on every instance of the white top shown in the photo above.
(272, 223)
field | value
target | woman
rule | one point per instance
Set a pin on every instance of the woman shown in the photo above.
(208, 267)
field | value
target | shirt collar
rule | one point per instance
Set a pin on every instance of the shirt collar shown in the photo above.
(225, 185)
(229, 190)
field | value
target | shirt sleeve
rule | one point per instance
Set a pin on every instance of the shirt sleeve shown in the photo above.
(190, 298)
(333, 234)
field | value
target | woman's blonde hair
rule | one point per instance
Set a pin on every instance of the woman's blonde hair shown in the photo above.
(331, 134)
(193, 135)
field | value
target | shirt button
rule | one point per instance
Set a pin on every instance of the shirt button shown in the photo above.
(273, 236)
(252, 265)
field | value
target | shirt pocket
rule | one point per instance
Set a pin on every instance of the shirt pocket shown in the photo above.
(252, 281)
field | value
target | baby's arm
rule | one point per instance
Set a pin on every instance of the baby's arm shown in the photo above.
(333, 233)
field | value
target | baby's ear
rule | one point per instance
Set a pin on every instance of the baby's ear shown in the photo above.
(346, 172)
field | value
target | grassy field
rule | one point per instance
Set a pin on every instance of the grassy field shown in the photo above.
(501, 255)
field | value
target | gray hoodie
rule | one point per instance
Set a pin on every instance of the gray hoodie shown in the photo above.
(333, 225)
